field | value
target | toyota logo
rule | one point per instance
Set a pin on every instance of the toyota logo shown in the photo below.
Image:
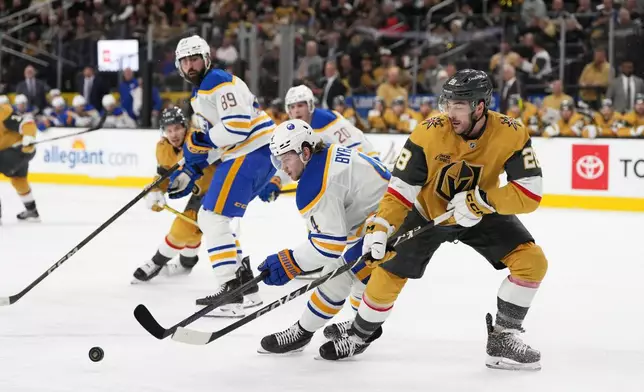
(589, 167)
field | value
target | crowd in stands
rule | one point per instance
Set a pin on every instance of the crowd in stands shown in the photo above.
(391, 50)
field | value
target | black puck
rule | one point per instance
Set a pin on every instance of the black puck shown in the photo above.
(96, 354)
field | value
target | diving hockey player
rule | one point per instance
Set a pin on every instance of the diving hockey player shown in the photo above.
(236, 133)
(453, 162)
(338, 189)
(14, 161)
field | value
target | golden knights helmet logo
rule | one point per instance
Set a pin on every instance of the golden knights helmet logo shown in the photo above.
(457, 177)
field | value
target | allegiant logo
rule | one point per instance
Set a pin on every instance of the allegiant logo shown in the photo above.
(80, 155)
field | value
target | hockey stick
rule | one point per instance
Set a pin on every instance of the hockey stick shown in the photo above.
(150, 324)
(96, 127)
(189, 336)
(180, 215)
(14, 298)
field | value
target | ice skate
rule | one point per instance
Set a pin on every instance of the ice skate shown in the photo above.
(251, 295)
(232, 308)
(347, 346)
(337, 330)
(292, 340)
(29, 216)
(146, 272)
(505, 350)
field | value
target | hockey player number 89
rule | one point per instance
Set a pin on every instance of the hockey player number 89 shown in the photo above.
(530, 160)
(403, 159)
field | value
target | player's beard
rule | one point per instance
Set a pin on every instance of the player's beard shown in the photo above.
(195, 77)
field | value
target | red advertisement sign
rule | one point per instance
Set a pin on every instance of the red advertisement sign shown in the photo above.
(590, 166)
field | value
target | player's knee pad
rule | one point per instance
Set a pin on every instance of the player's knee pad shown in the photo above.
(338, 288)
(222, 248)
(527, 262)
(21, 185)
(213, 224)
(383, 288)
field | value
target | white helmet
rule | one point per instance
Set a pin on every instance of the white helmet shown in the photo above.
(108, 100)
(54, 92)
(291, 135)
(79, 100)
(4, 99)
(191, 46)
(58, 102)
(20, 99)
(297, 94)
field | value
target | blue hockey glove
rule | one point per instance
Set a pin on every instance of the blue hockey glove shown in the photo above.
(281, 267)
(195, 152)
(272, 190)
(183, 181)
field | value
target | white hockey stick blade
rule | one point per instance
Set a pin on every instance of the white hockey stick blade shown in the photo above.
(190, 336)
(4, 301)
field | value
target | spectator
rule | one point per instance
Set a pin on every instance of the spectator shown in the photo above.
(368, 77)
(311, 64)
(540, 66)
(34, 89)
(126, 87)
(91, 87)
(511, 86)
(450, 70)
(507, 54)
(584, 14)
(553, 101)
(227, 51)
(386, 61)
(594, 77)
(332, 85)
(428, 73)
(623, 89)
(392, 89)
(531, 9)
(350, 76)
(137, 100)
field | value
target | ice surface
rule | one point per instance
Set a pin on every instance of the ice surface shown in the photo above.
(588, 318)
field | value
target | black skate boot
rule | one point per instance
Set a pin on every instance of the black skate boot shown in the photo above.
(146, 272)
(505, 350)
(337, 331)
(292, 340)
(251, 295)
(233, 307)
(29, 215)
(347, 346)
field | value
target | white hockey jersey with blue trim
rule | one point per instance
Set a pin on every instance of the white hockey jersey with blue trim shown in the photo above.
(336, 129)
(230, 114)
(338, 190)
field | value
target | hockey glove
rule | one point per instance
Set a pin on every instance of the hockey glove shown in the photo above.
(281, 267)
(374, 246)
(155, 200)
(470, 206)
(183, 181)
(272, 190)
(27, 142)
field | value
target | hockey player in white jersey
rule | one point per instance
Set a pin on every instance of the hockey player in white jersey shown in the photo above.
(235, 136)
(330, 125)
(338, 189)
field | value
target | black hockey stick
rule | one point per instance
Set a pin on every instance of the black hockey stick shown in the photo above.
(14, 298)
(150, 324)
(190, 336)
(96, 127)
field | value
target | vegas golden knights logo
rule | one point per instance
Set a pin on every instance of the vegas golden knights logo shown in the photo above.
(457, 177)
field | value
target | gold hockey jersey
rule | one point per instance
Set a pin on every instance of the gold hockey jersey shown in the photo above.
(13, 126)
(436, 164)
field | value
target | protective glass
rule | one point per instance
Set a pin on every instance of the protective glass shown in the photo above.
(454, 107)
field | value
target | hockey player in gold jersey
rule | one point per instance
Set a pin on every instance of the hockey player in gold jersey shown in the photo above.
(14, 161)
(340, 106)
(375, 117)
(570, 124)
(400, 118)
(634, 120)
(606, 122)
(453, 162)
(426, 110)
(526, 112)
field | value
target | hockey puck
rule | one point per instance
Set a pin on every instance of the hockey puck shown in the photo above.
(96, 354)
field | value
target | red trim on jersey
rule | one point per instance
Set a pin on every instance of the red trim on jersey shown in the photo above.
(193, 246)
(527, 192)
(400, 197)
(374, 307)
(523, 283)
(170, 244)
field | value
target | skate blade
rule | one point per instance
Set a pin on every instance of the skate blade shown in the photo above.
(226, 313)
(508, 364)
(30, 220)
(261, 350)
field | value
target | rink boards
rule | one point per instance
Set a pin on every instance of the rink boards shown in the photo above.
(605, 174)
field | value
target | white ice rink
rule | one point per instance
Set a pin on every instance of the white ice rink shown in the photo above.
(587, 319)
